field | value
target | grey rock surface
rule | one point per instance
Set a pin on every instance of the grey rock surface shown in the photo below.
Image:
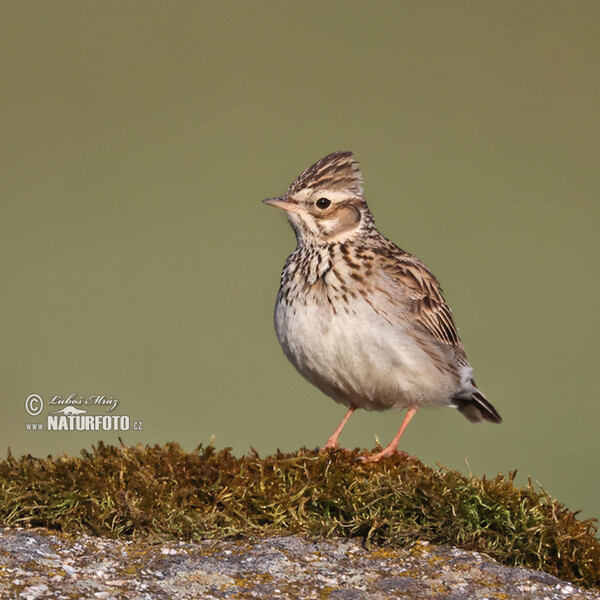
(37, 563)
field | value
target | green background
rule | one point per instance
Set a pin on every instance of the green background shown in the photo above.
(138, 138)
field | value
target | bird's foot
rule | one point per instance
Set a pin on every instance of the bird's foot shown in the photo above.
(386, 453)
(329, 446)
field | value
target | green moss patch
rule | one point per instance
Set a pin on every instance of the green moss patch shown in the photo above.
(163, 493)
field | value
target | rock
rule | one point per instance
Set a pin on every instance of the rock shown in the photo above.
(34, 591)
(37, 563)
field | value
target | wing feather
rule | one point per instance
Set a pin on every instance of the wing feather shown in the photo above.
(425, 298)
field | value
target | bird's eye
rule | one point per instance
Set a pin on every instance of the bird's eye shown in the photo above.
(323, 203)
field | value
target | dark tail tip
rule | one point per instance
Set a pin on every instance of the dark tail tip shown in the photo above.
(476, 408)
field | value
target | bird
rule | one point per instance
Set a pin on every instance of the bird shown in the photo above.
(358, 317)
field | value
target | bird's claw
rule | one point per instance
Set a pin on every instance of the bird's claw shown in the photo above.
(369, 458)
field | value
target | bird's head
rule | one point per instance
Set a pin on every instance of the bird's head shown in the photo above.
(326, 204)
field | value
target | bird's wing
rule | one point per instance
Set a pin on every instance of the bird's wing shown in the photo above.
(429, 309)
(424, 296)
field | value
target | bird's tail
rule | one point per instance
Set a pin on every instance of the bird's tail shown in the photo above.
(476, 408)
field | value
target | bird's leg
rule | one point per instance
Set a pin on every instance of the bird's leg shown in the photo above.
(392, 447)
(332, 442)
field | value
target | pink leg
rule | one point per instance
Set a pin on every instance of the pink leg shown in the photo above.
(392, 447)
(332, 442)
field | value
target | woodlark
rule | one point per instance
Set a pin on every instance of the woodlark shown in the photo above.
(361, 319)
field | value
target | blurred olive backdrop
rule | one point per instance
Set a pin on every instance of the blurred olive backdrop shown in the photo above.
(138, 139)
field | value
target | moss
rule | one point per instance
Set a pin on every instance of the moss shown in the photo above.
(163, 493)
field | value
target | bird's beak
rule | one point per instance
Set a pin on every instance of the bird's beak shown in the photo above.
(283, 203)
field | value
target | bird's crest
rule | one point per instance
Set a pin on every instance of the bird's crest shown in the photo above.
(335, 171)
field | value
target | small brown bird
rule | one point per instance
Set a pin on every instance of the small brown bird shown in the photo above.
(361, 319)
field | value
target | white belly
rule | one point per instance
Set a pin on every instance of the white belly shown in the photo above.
(360, 358)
